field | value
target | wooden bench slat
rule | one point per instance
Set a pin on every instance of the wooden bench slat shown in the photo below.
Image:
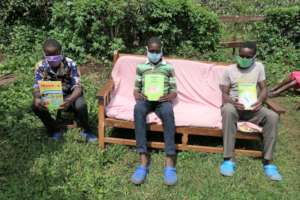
(130, 125)
(275, 106)
(233, 44)
(7, 79)
(201, 131)
(240, 19)
(198, 148)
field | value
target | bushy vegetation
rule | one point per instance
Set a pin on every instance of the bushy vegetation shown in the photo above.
(102, 26)
(280, 29)
(279, 41)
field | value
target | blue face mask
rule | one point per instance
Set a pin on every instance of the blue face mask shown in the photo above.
(154, 57)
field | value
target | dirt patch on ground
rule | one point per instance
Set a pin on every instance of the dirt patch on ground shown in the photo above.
(91, 67)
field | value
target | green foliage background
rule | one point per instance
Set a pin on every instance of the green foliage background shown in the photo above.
(98, 27)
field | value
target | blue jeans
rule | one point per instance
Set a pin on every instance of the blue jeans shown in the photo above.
(164, 110)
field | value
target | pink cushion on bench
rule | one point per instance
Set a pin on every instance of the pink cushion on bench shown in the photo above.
(199, 96)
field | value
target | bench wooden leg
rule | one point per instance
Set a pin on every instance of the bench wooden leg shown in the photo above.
(185, 137)
(101, 127)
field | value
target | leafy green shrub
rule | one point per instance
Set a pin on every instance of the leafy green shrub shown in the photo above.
(35, 12)
(25, 39)
(280, 29)
(99, 27)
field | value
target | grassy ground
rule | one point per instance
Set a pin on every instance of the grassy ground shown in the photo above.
(35, 167)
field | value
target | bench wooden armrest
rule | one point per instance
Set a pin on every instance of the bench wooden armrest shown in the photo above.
(274, 106)
(105, 92)
(7, 79)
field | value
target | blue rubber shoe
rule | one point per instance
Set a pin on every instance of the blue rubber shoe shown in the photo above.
(57, 136)
(88, 136)
(227, 168)
(170, 176)
(272, 172)
(139, 176)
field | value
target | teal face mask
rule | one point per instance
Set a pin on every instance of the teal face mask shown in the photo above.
(245, 63)
(154, 57)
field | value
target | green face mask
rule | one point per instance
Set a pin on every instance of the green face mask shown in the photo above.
(245, 63)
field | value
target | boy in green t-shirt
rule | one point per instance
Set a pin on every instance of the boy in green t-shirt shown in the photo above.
(155, 88)
(242, 102)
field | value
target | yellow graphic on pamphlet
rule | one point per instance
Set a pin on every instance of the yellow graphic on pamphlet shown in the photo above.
(154, 86)
(247, 94)
(52, 94)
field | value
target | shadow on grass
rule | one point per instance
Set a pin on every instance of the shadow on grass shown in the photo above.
(33, 166)
(23, 141)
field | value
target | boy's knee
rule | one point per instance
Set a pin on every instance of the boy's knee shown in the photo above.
(167, 109)
(228, 109)
(35, 109)
(80, 105)
(272, 117)
(140, 107)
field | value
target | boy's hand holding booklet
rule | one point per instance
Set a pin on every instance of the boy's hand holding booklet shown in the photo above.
(247, 94)
(52, 95)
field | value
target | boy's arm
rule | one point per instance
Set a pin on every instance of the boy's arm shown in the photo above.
(262, 97)
(137, 93)
(225, 89)
(227, 99)
(38, 76)
(173, 88)
(76, 87)
(37, 101)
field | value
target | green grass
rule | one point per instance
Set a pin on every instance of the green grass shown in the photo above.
(34, 167)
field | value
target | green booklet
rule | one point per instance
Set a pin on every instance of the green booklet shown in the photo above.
(52, 94)
(247, 94)
(154, 86)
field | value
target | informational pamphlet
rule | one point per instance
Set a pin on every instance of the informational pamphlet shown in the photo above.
(247, 94)
(52, 94)
(154, 86)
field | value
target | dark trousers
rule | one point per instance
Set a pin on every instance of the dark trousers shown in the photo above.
(164, 111)
(79, 108)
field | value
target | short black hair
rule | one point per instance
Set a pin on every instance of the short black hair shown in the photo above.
(52, 43)
(249, 45)
(154, 40)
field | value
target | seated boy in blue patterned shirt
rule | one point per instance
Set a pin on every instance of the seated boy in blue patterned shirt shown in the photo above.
(56, 67)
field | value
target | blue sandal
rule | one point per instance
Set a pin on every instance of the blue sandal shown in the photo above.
(227, 168)
(57, 136)
(140, 174)
(89, 137)
(170, 176)
(272, 172)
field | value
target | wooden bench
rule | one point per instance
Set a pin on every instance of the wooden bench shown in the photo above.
(7, 79)
(104, 96)
(234, 43)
